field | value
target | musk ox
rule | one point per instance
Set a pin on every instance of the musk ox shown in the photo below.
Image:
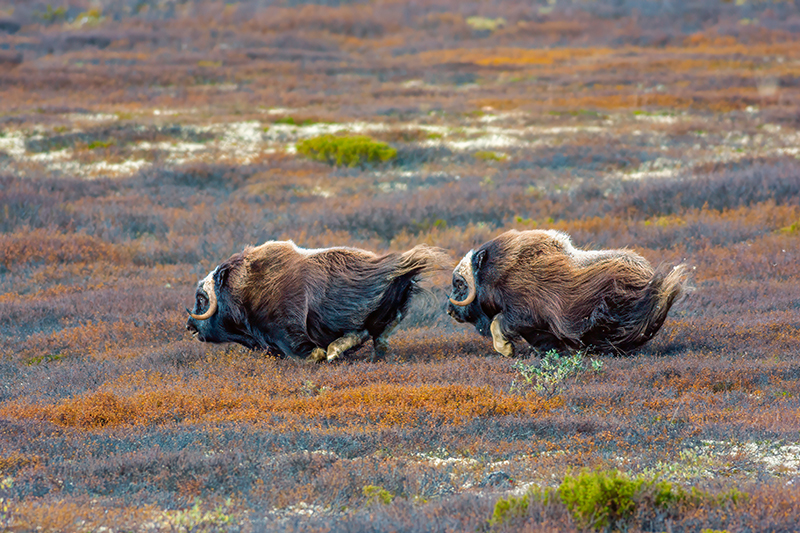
(535, 285)
(308, 303)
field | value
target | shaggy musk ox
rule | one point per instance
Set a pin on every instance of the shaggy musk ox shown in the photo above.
(537, 286)
(308, 303)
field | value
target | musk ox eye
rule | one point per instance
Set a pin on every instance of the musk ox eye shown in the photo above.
(202, 302)
(459, 284)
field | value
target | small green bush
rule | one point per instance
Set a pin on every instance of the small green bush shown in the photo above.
(488, 155)
(92, 17)
(792, 229)
(599, 499)
(101, 144)
(375, 494)
(292, 122)
(506, 509)
(352, 151)
(51, 15)
(605, 500)
(548, 377)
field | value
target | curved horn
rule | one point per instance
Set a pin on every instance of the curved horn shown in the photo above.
(465, 269)
(208, 286)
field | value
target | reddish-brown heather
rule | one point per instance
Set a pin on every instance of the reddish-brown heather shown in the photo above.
(141, 147)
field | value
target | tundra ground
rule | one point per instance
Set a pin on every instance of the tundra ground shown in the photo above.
(141, 146)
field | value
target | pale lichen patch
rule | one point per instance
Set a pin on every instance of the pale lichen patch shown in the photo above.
(13, 144)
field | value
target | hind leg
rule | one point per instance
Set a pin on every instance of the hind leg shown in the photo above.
(342, 344)
(381, 342)
(317, 355)
(501, 344)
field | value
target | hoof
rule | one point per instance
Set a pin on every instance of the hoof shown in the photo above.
(381, 348)
(333, 354)
(317, 355)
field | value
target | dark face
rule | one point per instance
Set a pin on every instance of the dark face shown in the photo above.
(471, 313)
(203, 330)
(224, 325)
(458, 291)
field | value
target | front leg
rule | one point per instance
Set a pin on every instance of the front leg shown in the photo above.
(342, 344)
(381, 342)
(501, 344)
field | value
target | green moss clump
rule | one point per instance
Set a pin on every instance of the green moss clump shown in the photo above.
(375, 494)
(487, 155)
(291, 121)
(351, 151)
(506, 509)
(598, 499)
(52, 15)
(101, 144)
(792, 229)
(607, 500)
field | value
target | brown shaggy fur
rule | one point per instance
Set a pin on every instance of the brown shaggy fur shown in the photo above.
(543, 289)
(295, 300)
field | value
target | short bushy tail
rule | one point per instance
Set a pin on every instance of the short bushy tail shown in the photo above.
(674, 286)
(625, 327)
(402, 271)
(422, 259)
(670, 288)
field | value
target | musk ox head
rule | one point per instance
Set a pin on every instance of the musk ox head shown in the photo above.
(215, 317)
(465, 306)
(535, 285)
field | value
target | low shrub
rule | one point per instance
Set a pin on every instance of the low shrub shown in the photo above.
(548, 377)
(376, 494)
(351, 151)
(488, 155)
(607, 501)
(291, 121)
(600, 499)
(507, 509)
(101, 144)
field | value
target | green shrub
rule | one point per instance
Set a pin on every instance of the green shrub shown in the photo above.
(51, 15)
(506, 509)
(488, 155)
(375, 494)
(553, 370)
(292, 122)
(792, 229)
(352, 151)
(599, 499)
(101, 144)
(527, 221)
(603, 500)
(92, 17)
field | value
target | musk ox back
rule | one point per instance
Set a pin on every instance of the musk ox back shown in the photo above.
(535, 285)
(308, 303)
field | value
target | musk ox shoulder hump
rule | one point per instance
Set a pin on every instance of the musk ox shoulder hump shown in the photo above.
(563, 239)
(587, 257)
(307, 252)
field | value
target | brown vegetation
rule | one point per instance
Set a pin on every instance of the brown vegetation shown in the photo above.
(142, 144)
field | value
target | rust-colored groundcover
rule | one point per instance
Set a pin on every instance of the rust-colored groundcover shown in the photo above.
(142, 143)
